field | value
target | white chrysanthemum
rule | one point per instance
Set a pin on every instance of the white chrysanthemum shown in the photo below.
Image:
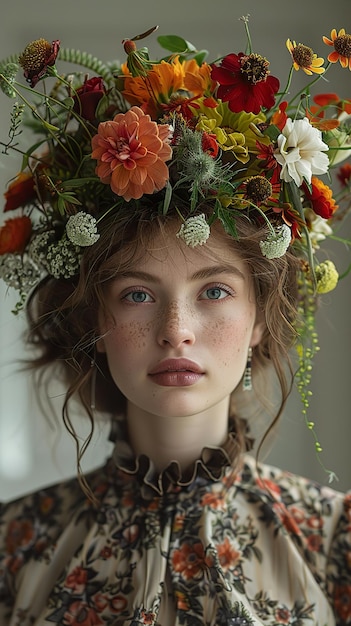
(195, 231)
(300, 152)
(81, 229)
(276, 243)
(319, 228)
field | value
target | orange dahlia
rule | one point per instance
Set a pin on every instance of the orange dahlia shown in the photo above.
(321, 198)
(131, 151)
(341, 42)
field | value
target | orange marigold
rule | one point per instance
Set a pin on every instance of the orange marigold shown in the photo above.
(166, 79)
(321, 198)
(163, 80)
(131, 151)
(15, 234)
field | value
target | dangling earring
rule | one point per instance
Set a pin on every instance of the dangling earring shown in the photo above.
(92, 383)
(247, 380)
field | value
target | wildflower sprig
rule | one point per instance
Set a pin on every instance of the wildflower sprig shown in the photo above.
(307, 347)
(15, 126)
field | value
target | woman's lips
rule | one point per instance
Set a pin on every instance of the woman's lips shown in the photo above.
(176, 373)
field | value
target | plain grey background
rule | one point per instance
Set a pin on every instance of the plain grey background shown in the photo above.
(35, 451)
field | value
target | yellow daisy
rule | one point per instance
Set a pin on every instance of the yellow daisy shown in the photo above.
(303, 57)
(341, 43)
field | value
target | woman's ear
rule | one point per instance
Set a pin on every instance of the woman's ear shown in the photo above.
(257, 333)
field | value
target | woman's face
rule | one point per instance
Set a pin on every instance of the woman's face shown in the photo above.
(183, 322)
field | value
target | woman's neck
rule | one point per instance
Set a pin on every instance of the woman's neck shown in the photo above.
(166, 439)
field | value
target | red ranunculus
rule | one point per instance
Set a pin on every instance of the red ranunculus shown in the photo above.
(15, 234)
(20, 191)
(245, 82)
(88, 96)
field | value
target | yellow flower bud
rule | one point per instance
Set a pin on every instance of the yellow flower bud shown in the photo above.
(327, 276)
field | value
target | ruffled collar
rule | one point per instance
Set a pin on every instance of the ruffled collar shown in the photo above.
(210, 466)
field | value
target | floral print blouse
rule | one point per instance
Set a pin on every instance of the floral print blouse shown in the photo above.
(212, 548)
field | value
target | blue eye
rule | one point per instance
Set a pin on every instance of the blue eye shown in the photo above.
(215, 293)
(137, 297)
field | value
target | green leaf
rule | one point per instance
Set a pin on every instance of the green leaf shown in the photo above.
(102, 107)
(71, 199)
(61, 205)
(228, 222)
(68, 103)
(272, 132)
(201, 56)
(76, 182)
(167, 198)
(173, 43)
(33, 148)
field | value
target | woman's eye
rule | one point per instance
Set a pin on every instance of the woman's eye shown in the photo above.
(137, 297)
(215, 293)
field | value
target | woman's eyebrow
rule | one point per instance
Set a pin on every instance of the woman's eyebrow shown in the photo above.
(208, 272)
(203, 273)
(140, 275)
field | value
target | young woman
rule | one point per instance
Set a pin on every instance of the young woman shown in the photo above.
(171, 300)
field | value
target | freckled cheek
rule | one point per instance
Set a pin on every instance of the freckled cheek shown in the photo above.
(129, 335)
(228, 337)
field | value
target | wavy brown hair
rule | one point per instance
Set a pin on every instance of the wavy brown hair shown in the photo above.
(64, 326)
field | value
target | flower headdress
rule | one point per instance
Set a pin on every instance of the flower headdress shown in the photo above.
(183, 132)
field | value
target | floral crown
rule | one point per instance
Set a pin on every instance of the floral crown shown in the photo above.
(180, 132)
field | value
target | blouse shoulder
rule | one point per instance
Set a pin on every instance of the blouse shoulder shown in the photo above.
(30, 525)
(317, 517)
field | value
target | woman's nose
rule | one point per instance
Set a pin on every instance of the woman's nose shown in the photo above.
(176, 325)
